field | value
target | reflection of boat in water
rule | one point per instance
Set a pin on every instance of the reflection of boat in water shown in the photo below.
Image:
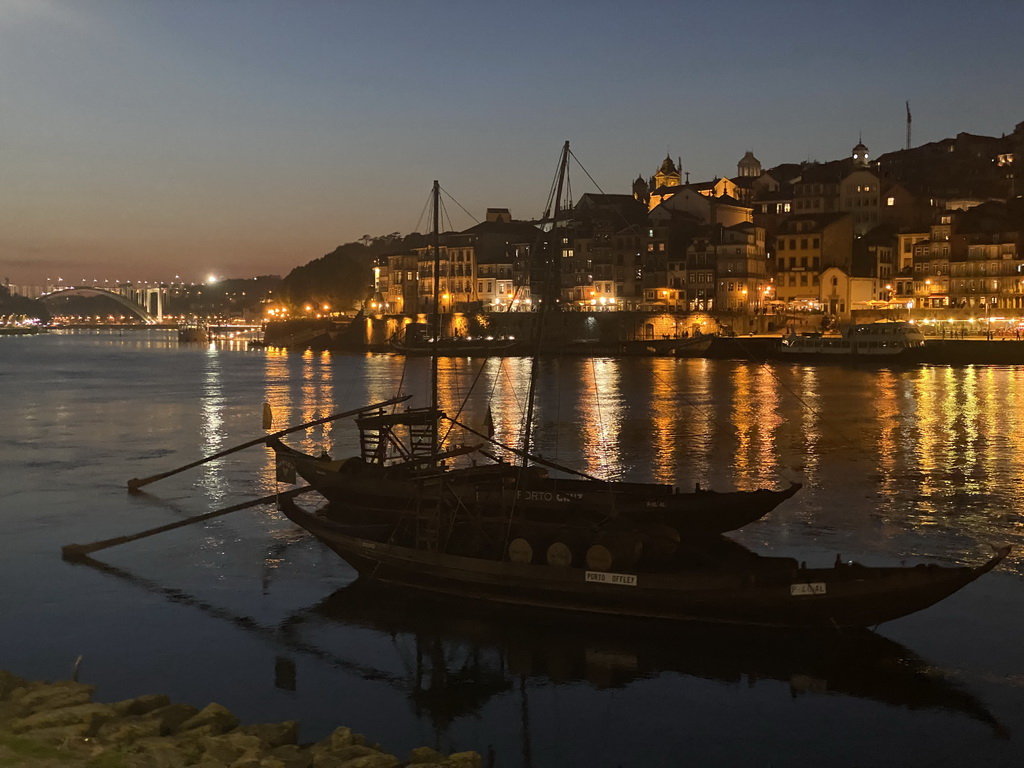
(883, 340)
(607, 653)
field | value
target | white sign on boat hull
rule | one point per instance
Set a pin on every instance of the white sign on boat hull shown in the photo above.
(623, 579)
(811, 588)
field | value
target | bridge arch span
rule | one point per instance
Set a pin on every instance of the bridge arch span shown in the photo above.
(89, 292)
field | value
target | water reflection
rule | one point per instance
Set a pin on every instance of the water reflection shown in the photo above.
(464, 657)
(212, 426)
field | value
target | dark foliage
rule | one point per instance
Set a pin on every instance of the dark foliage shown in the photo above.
(344, 277)
(20, 305)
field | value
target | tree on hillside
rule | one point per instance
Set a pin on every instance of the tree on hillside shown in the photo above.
(344, 278)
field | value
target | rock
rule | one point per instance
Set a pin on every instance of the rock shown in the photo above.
(72, 735)
(91, 715)
(425, 755)
(141, 705)
(8, 683)
(289, 756)
(173, 716)
(326, 756)
(52, 696)
(376, 760)
(160, 752)
(230, 747)
(212, 720)
(274, 734)
(463, 760)
(127, 730)
(343, 737)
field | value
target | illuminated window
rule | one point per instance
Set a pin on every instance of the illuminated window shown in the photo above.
(890, 201)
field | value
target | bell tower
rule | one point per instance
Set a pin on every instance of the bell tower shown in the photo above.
(668, 175)
(860, 155)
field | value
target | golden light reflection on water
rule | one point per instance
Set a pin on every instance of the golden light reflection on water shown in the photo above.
(212, 423)
(809, 418)
(756, 420)
(600, 415)
(887, 413)
(696, 417)
(665, 420)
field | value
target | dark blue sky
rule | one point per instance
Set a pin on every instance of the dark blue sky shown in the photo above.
(246, 137)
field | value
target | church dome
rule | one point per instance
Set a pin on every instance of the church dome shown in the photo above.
(749, 165)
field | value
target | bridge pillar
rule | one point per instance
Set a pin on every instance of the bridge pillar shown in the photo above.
(155, 296)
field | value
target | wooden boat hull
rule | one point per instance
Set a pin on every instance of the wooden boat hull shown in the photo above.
(459, 348)
(844, 596)
(366, 492)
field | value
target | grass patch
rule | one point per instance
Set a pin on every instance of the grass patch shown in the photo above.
(16, 750)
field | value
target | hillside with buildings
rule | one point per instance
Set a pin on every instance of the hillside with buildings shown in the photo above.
(935, 226)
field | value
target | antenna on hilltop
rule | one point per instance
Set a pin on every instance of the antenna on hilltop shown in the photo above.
(908, 125)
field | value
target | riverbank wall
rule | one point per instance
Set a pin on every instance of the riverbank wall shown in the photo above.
(753, 338)
(44, 724)
(977, 351)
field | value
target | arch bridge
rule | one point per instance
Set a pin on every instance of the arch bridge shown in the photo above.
(146, 303)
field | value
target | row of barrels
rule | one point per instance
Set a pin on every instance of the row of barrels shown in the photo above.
(601, 551)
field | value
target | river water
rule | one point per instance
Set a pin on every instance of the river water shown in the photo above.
(919, 465)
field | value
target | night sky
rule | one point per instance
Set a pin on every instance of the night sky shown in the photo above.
(144, 140)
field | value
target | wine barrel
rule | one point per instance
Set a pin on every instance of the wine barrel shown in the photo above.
(619, 549)
(560, 554)
(520, 551)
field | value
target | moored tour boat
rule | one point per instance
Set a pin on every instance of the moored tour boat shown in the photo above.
(457, 346)
(882, 340)
(193, 333)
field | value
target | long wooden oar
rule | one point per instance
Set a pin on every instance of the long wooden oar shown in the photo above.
(78, 551)
(135, 483)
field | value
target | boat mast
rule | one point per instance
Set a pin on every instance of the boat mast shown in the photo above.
(551, 290)
(436, 322)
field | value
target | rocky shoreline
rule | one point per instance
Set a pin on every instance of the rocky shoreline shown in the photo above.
(44, 724)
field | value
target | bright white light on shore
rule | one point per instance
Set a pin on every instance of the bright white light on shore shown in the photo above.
(210, 280)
